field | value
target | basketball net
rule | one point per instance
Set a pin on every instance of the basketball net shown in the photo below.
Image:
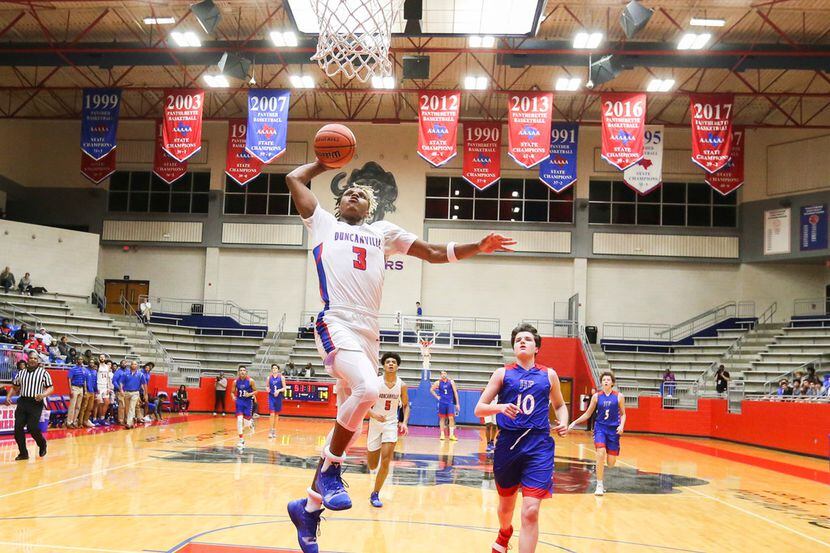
(355, 36)
(425, 345)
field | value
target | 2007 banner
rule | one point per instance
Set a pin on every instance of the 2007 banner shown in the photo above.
(528, 127)
(267, 123)
(99, 121)
(623, 128)
(438, 125)
(711, 117)
(165, 166)
(240, 164)
(182, 129)
(559, 170)
(731, 177)
(482, 154)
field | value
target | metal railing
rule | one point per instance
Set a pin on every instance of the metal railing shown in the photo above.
(635, 331)
(99, 289)
(559, 328)
(272, 345)
(211, 308)
(735, 396)
(631, 391)
(768, 313)
(734, 349)
(684, 395)
(156, 347)
(17, 314)
(589, 355)
(787, 399)
(8, 362)
(816, 307)
(817, 363)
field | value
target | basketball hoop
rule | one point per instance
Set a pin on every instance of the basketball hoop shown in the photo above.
(355, 36)
(425, 342)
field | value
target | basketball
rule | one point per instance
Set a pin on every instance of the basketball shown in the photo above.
(334, 145)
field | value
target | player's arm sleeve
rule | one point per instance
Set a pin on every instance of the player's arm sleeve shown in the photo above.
(320, 222)
(395, 239)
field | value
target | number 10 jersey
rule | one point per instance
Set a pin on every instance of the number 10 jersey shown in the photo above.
(529, 390)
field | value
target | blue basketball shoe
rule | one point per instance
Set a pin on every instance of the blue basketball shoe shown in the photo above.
(331, 486)
(308, 525)
(375, 500)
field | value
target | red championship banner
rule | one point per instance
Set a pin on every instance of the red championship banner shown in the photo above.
(528, 127)
(438, 125)
(183, 122)
(240, 165)
(482, 154)
(731, 177)
(623, 128)
(165, 167)
(711, 116)
(98, 170)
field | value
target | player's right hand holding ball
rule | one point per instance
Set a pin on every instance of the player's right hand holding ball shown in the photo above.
(509, 410)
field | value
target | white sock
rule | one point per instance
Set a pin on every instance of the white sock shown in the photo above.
(239, 425)
(599, 482)
(314, 502)
(329, 458)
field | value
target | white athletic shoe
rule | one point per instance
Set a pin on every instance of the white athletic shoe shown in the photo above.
(240, 446)
(148, 419)
(272, 434)
(600, 490)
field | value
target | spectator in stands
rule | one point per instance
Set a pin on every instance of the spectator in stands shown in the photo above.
(291, 370)
(7, 279)
(131, 384)
(221, 391)
(784, 388)
(796, 388)
(826, 385)
(307, 331)
(72, 357)
(25, 284)
(21, 336)
(668, 383)
(811, 376)
(77, 387)
(813, 389)
(309, 371)
(145, 310)
(6, 334)
(180, 399)
(418, 310)
(722, 380)
(63, 347)
(91, 377)
(35, 343)
(47, 338)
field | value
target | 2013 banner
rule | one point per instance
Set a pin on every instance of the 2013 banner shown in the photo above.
(711, 116)
(731, 177)
(482, 154)
(97, 170)
(240, 165)
(528, 127)
(182, 129)
(267, 123)
(623, 128)
(647, 174)
(165, 166)
(99, 121)
(559, 170)
(438, 125)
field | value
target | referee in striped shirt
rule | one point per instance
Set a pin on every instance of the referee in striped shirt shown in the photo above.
(32, 384)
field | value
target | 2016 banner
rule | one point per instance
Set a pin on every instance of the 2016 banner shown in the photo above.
(267, 123)
(711, 116)
(647, 174)
(182, 129)
(99, 121)
(482, 154)
(559, 170)
(97, 170)
(623, 128)
(528, 127)
(731, 177)
(438, 125)
(165, 166)
(240, 165)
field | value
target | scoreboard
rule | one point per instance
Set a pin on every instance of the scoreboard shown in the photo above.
(298, 391)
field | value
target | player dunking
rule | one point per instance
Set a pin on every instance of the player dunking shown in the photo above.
(350, 256)
(608, 426)
(383, 422)
(446, 392)
(524, 449)
(243, 393)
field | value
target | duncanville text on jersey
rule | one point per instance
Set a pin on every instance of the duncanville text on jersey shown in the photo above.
(359, 239)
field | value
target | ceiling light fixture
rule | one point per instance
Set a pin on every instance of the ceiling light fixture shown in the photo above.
(472, 82)
(693, 41)
(282, 39)
(186, 39)
(301, 81)
(217, 81)
(568, 83)
(477, 41)
(660, 85)
(159, 20)
(703, 22)
(587, 41)
(387, 83)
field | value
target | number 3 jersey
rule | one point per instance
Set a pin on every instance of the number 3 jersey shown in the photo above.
(529, 390)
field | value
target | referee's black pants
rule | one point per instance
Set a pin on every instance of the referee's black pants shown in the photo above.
(26, 415)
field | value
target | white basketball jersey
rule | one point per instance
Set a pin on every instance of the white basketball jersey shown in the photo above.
(388, 400)
(351, 259)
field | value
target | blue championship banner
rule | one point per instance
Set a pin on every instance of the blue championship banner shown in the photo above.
(559, 170)
(813, 227)
(267, 123)
(99, 121)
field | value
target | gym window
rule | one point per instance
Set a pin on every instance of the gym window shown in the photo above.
(265, 195)
(508, 200)
(676, 204)
(144, 192)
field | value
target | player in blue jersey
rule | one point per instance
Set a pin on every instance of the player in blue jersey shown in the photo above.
(276, 393)
(608, 426)
(446, 392)
(244, 390)
(524, 449)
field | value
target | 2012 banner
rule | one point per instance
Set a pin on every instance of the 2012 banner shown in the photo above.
(267, 123)
(182, 129)
(99, 121)
(711, 116)
(438, 125)
(165, 166)
(559, 170)
(528, 127)
(623, 128)
(731, 177)
(97, 170)
(482, 154)
(240, 165)
(647, 174)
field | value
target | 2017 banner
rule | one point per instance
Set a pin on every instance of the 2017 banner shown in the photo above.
(647, 174)
(97, 170)
(267, 123)
(482, 154)
(438, 125)
(623, 128)
(528, 127)
(165, 166)
(240, 165)
(731, 177)
(559, 170)
(182, 129)
(711, 116)
(99, 121)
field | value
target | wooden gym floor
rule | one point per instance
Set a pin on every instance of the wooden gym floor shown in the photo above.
(180, 486)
